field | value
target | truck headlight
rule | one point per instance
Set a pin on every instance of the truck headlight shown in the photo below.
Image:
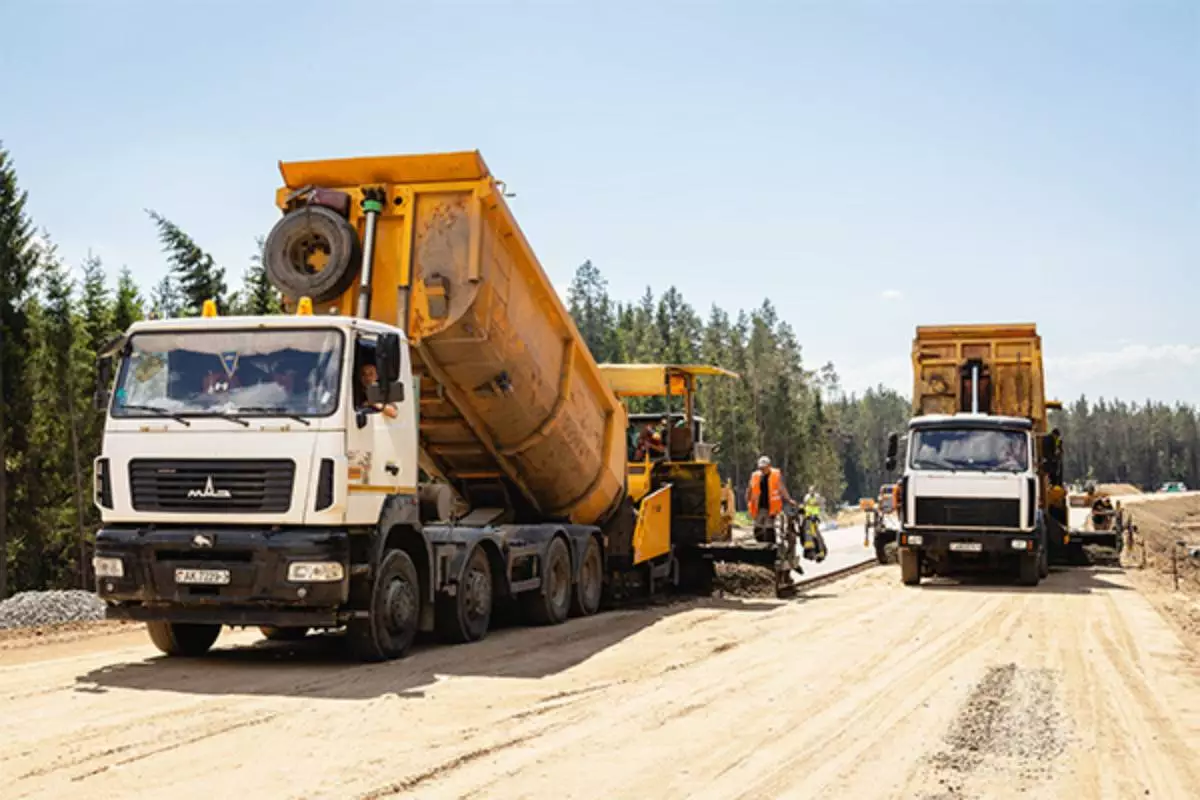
(915, 538)
(315, 572)
(107, 567)
(1020, 544)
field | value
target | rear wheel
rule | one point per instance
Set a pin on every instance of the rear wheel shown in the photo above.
(465, 617)
(551, 604)
(585, 600)
(274, 634)
(910, 566)
(182, 638)
(393, 612)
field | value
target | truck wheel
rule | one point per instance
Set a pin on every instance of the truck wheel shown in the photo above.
(273, 634)
(465, 617)
(314, 252)
(1030, 566)
(394, 611)
(910, 567)
(881, 554)
(1043, 562)
(585, 600)
(551, 604)
(182, 638)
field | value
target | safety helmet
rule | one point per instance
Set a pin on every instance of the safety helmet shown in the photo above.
(764, 462)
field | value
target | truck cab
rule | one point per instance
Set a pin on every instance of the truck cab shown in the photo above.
(969, 497)
(240, 455)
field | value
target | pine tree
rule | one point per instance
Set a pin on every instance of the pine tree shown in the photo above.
(592, 309)
(59, 340)
(127, 308)
(258, 296)
(197, 275)
(165, 299)
(98, 329)
(18, 260)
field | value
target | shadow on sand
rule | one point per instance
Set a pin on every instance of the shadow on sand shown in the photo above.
(318, 667)
(1064, 580)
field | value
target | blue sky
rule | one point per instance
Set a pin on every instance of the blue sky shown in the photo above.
(869, 166)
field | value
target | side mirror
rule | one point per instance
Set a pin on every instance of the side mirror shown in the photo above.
(387, 358)
(104, 378)
(893, 446)
(387, 362)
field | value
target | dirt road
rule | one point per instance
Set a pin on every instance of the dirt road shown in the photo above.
(861, 689)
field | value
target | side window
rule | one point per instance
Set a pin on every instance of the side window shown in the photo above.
(364, 368)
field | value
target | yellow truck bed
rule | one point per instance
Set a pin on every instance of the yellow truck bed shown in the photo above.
(510, 395)
(1010, 360)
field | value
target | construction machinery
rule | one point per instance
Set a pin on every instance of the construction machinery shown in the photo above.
(425, 439)
(982, 486)
(686, 476)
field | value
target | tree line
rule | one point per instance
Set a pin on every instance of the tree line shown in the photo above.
(53, 325)
(1145, 444)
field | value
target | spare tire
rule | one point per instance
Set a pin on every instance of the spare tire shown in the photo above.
(312, 252)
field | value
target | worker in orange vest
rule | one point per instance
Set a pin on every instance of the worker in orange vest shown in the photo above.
(766, 482)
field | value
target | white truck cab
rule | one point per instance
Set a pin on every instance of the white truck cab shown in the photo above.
(280, 399)
(969, 496)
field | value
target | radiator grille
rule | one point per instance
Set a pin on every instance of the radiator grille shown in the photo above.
(245, 485)
(971, 512)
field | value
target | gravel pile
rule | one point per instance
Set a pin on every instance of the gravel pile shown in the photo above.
(33, 609)
(744, 580)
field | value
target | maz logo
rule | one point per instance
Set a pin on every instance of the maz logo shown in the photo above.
(211, 492)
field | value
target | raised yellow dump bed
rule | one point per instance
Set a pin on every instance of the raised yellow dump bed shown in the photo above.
(1009, 358)
(512, 402)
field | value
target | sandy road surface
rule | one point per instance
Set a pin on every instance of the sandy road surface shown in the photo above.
(1074, 689)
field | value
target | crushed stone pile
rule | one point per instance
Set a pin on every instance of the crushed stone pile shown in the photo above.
(744, 580)
(34, 609)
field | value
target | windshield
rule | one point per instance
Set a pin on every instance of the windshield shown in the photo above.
(972, 450)
(243, 373)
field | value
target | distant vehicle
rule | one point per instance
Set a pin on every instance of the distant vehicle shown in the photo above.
(1173, 486)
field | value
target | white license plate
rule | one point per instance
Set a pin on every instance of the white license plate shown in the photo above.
(205, 577)
(966, 547)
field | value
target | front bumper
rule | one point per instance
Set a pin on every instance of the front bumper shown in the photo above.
(258, 591)
(968, 544)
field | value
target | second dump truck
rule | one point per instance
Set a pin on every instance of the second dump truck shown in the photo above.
(425, 439)
(982, 486)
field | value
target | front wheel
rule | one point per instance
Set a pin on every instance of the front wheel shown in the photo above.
(910, 567)
(393, 613)
(1028, 570)
(183, 638)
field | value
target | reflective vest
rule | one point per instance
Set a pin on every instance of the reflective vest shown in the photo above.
(775, 506)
